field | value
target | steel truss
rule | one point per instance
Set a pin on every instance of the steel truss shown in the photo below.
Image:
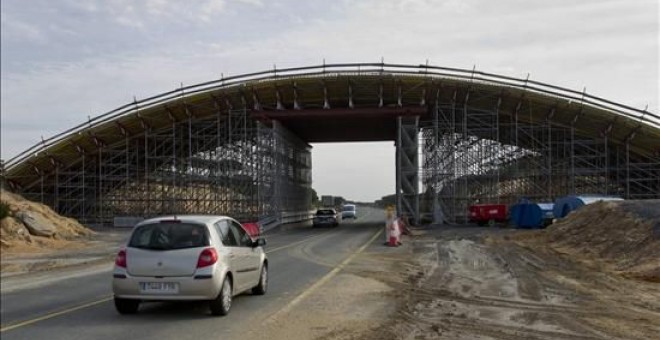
(407, 168)
(466, 136)
(228, 163)
(472, 155)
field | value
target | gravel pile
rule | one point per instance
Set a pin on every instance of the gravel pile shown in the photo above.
(625, 235)
(32, 223)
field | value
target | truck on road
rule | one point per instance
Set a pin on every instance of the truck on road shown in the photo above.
(327, 201)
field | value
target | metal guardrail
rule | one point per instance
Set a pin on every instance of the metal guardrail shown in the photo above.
(295, 216)
(642, 116)
(285, 217)
(268, 223)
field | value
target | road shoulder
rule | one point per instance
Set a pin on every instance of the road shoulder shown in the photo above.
(360, 297)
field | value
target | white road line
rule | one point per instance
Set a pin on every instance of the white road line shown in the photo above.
(323, 280)
(109, 298)
(54, 314)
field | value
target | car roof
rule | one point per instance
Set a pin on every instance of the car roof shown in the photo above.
(204, 219)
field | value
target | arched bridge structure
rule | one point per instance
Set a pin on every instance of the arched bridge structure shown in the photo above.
(241, 145)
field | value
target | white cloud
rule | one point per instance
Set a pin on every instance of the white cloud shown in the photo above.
(127, 48)
(16, 29)
(157, 7)
(258, 3)
(89, 6)
(210, 9)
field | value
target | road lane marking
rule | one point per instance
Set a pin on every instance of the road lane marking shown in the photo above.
(323, 280)
(54, 314)
(105, 299)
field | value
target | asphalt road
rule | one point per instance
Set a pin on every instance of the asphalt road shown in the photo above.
(81, 307)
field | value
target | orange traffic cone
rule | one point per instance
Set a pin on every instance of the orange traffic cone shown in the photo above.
(392, 242)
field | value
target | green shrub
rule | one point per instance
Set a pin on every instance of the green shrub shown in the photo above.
(4, 210)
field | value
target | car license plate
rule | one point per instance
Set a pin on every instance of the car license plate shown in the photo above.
(159, 287)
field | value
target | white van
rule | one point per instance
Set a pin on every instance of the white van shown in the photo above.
(349, 211)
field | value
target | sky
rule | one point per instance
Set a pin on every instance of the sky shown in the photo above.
(63, 61)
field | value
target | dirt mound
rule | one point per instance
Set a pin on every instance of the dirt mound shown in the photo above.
(625, 235)
(13, 232)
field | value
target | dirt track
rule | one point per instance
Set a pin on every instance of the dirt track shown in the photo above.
(497, 289)
(450, 283)
(473, 283)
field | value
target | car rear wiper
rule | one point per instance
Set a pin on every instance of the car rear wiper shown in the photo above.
(151, 247)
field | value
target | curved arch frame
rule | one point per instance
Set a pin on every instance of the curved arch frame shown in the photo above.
(370, 86)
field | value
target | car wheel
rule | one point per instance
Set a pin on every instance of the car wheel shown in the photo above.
(126, 306)
(260, 289)
(222, 304)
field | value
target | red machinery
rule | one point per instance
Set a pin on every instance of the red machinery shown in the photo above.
(252, 229)
(487, 213)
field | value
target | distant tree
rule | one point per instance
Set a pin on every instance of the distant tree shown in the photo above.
(386, 201)
(314, 198)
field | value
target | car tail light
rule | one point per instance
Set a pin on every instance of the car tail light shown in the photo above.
(120, 261)
(207, 257)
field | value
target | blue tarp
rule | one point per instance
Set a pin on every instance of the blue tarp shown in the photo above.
(531, 215)
(564, 205)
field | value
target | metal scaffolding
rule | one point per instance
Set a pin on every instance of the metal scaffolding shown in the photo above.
(474, 156)
(227, 164)
(407, 168)
(238, 145)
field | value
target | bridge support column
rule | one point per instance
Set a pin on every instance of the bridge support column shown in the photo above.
(290, 172)
(407, 168)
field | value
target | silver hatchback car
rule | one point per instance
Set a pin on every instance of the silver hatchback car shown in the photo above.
(177, 258)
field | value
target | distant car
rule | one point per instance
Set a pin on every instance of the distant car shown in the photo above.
(326, 217)
(178, 258)
(349, 211)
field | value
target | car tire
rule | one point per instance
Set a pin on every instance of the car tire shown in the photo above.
(222, 303)
(262, 286)
(127, 306)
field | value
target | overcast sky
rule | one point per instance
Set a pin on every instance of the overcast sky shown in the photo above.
(65, 60)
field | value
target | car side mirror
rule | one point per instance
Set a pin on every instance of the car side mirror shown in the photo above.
(260, 242)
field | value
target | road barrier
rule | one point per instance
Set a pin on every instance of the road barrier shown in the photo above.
(285, 217)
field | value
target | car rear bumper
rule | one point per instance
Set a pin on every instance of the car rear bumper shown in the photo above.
(189, 288)
(326, 222)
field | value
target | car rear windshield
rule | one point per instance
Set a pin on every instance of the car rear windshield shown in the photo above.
(325, 212)
(168, 236)
(348, 208)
